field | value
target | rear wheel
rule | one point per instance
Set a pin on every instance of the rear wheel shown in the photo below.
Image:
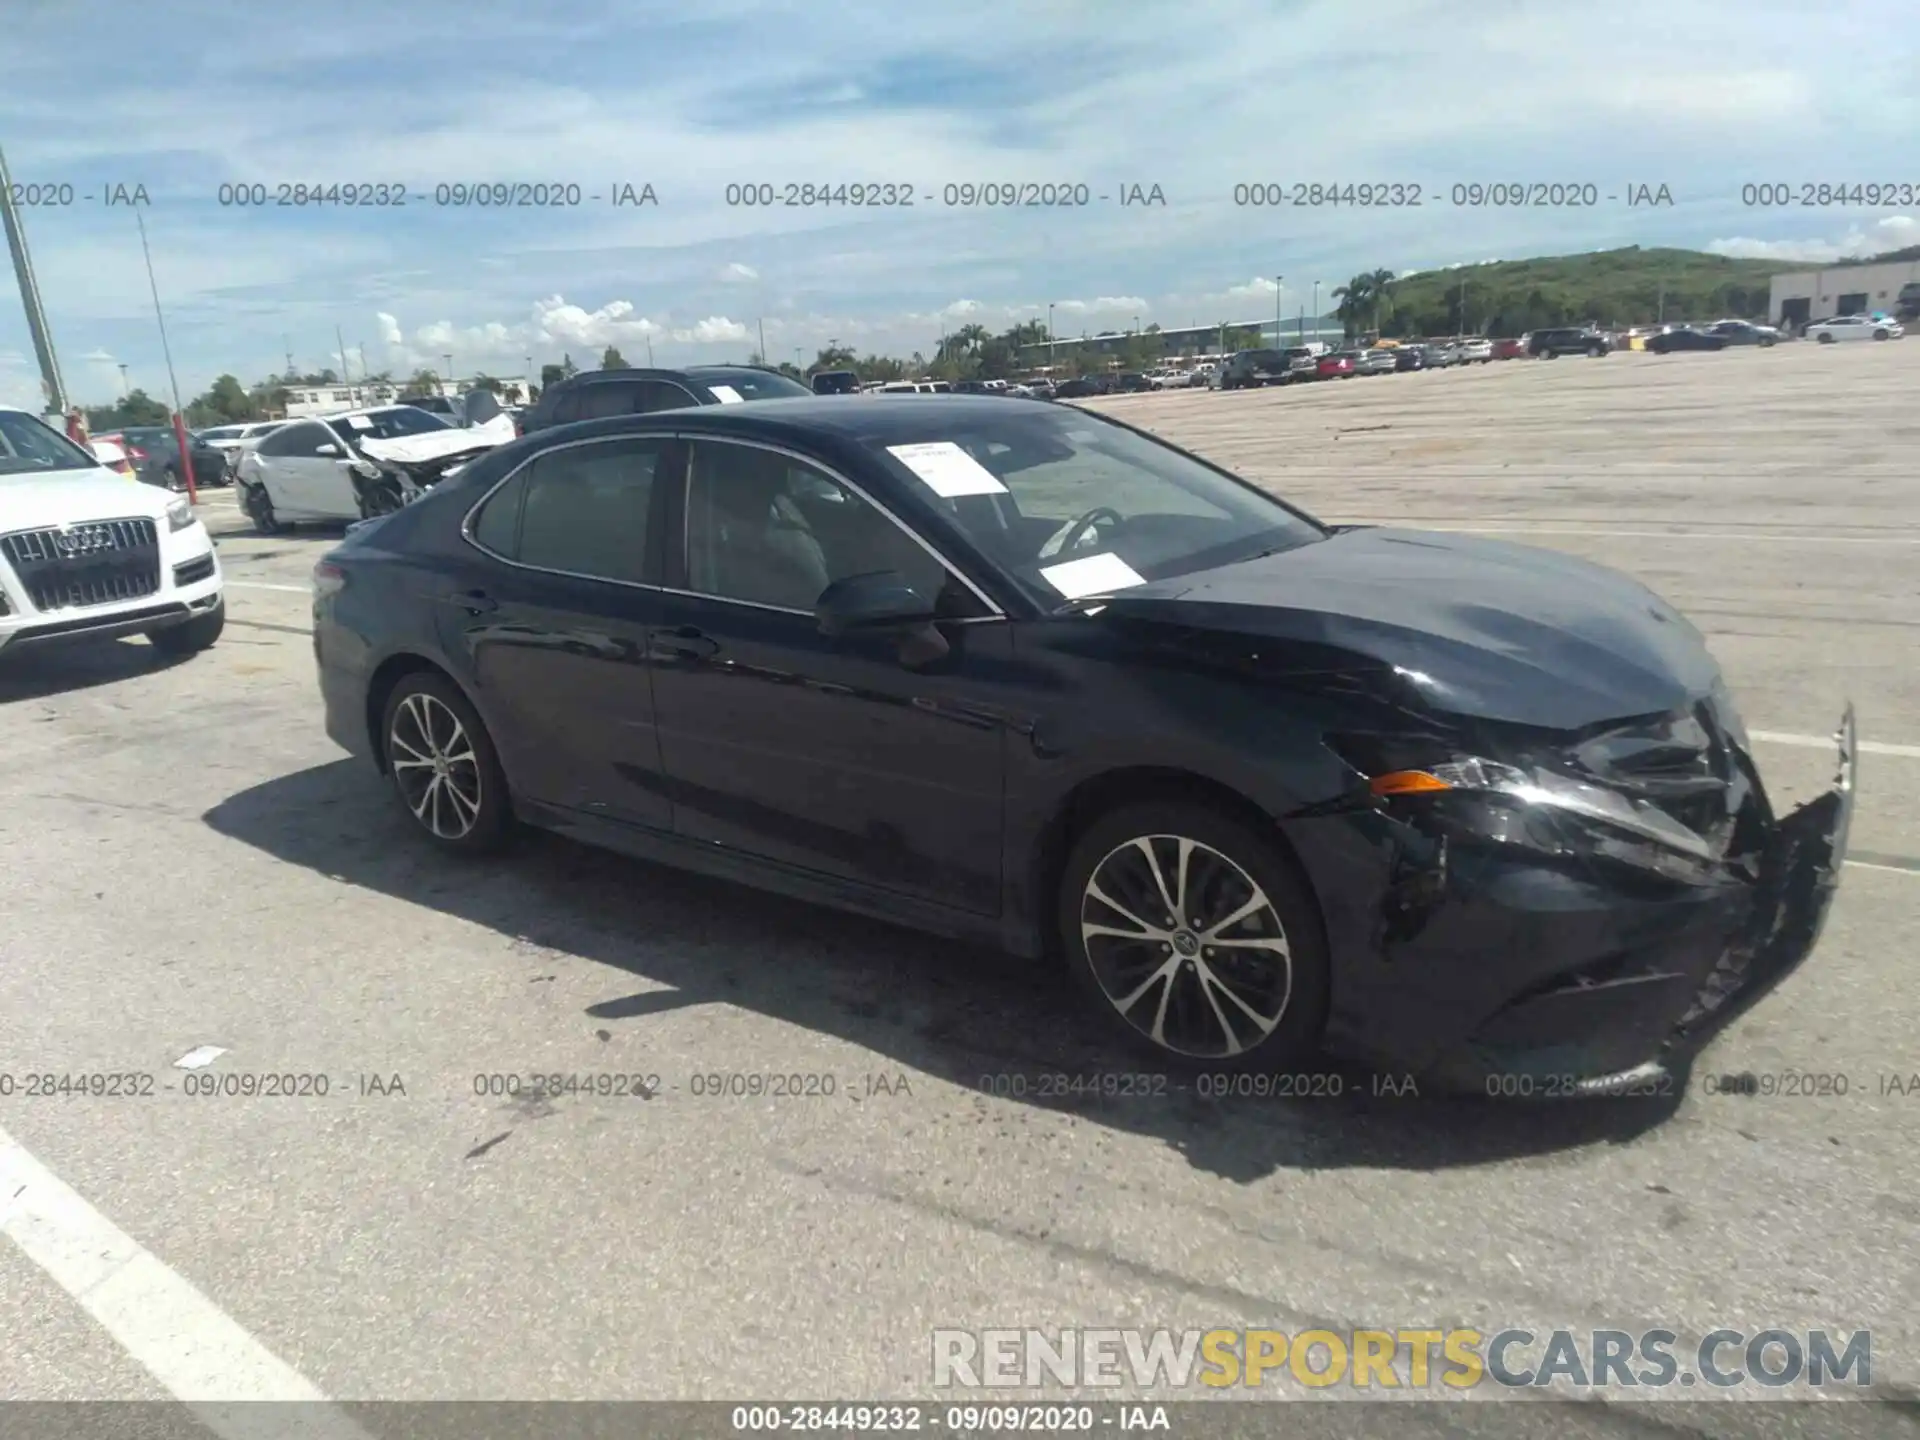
(258, 504)
(1195, 937)
(1826, 338)
(443, 766)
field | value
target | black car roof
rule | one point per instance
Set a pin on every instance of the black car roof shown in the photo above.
(660, 372)
(867, 417)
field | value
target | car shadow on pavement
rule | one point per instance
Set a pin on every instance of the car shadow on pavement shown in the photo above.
(33, 673)
(976, 1018)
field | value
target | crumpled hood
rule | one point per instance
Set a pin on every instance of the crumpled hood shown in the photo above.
(1484, 628)
(433, 445)
(45, 498)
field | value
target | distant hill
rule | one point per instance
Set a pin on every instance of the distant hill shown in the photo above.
(1613, 288)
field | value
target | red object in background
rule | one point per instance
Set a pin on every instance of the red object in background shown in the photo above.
(186, 458)
(1335, 365)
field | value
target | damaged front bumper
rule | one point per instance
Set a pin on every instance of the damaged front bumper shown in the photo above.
(1633, 983)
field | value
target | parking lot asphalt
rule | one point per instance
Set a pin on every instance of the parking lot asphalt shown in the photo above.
(189, 862)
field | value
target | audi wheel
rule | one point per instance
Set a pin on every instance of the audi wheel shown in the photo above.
(1195, 937)
(443, 766)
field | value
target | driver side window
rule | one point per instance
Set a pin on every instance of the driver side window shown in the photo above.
(767, 529)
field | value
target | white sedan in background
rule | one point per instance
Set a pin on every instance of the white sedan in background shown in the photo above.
(1855, 327)
(356, 465)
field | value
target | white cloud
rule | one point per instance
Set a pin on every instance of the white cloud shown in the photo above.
(1891, 232)
(714, 330)
(737, 273)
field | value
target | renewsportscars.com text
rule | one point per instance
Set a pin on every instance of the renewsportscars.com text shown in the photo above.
(1768, 1361)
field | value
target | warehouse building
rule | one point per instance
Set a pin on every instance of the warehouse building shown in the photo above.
(1807, 295)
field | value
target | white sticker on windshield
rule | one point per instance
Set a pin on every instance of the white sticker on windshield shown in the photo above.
(726, 394)
(1095, 575)
(947, 470)
(359, 422)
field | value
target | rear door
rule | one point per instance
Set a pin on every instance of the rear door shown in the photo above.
(281, 462)
(552, 614)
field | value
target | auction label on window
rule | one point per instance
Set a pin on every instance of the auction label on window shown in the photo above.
(359, 422)
(726, 394)
(947, 470)
(1095, 575)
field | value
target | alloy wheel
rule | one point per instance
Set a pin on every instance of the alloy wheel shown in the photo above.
(1186, 946)
(433, 762)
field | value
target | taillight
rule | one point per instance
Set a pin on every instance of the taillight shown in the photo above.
(328, 580)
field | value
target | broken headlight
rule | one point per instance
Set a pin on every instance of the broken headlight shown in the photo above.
(1548, 811)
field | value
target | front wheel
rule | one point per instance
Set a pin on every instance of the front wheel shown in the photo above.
(192, 636)
(1826, 339)
(443, 766)
(1880, 335)
(1195, 937)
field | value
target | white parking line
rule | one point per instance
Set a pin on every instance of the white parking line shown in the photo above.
(262, 585)
(192, 1347)
(1524, 529)
(1827, 742)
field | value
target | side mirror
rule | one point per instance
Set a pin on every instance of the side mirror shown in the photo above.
(329, 449)
(865, 604)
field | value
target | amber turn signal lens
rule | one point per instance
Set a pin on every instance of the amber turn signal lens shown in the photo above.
(1407, 782)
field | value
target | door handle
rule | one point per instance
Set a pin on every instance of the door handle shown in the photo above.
(474, 602)
(684, 643)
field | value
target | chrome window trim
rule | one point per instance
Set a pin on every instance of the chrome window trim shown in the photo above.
(994, 612)
(466, 521)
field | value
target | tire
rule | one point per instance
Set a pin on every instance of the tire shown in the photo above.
(1549, 354)
(378, 497)
(460, 805)
(1594, 352)
(258, 504)
(1880, 335)
(1283, 979)
(1825, 338)
(193, 636)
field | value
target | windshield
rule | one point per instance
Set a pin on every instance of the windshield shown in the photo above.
(28, 445)
(749, 384)
(1063, 486)
(391, 424)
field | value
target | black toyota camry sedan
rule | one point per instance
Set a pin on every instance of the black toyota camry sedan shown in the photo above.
(1028, 675)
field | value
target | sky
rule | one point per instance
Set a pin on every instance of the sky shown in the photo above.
(1195, 97)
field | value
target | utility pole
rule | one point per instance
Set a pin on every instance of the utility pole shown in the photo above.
(649, 351)
(1276, 309)
(173, 380)
(1316, 310)
(346, 373)
(448, 357)
(124, 391)
(1052, 349)
(30, 296)
(287, 340)
(764, 360)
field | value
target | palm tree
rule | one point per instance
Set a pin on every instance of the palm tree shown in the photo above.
(1362, 297)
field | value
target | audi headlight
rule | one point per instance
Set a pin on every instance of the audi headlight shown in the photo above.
(180, 515)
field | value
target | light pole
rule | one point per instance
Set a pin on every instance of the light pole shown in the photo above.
(1052, 351)
(1316, 310)
(179, 420)
(529, 376)
(448, 357)
(30, 297)
(1276, 307)
(124, 391)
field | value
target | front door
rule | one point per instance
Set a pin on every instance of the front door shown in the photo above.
(874, 759)
(552, 622)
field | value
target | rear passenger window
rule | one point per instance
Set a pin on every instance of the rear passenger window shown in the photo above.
(613, 397)
(566, 408)
(586, 508)
(497, 526)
